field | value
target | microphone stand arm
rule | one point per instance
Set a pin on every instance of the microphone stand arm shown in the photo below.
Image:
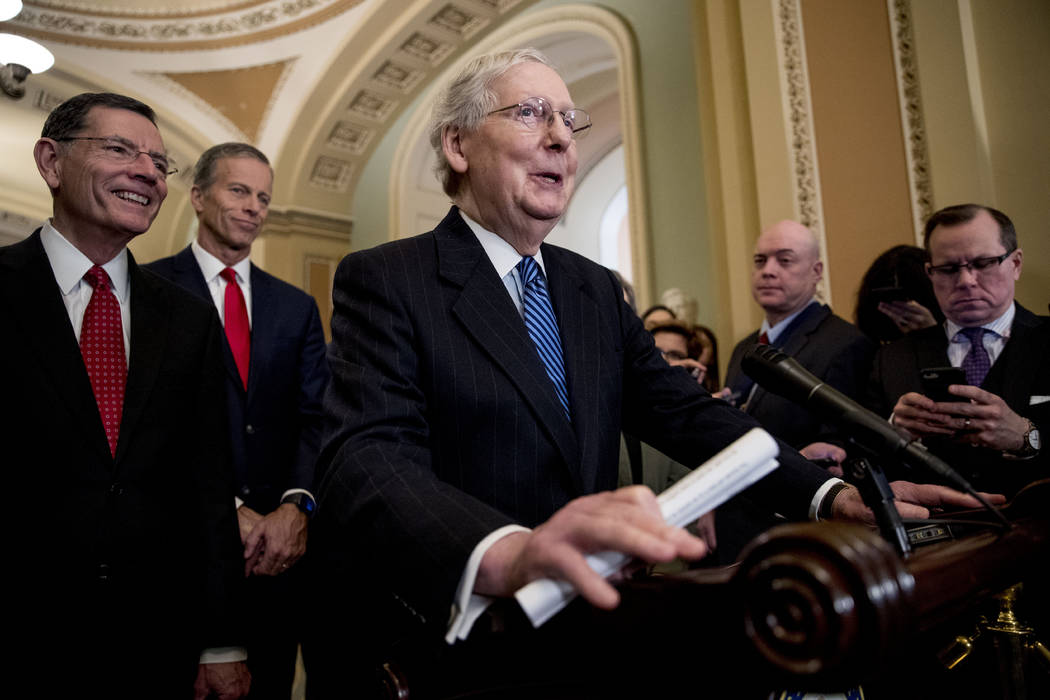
(876, 493)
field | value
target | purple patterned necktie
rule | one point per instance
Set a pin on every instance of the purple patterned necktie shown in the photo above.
(976, 363)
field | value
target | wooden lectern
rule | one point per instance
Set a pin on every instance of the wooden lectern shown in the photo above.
(815, 607)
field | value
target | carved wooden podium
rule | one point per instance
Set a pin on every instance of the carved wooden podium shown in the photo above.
(816, 607)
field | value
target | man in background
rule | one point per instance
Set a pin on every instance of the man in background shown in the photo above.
(784, 277)
(990, 426)
(785, 273)
(127, 567)
(275, 377)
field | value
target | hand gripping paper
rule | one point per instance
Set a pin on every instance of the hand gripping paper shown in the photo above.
(714, 482)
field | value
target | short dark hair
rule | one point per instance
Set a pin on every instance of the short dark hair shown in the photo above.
(961, 213)
(70, 117)
(658, 307)
(902, 266)
(204, 170)
(692, 341)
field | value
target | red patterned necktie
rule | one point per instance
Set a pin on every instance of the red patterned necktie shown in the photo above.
(235, 314)
(102, 346)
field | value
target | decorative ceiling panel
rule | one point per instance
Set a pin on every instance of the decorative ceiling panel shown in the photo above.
(238, 24)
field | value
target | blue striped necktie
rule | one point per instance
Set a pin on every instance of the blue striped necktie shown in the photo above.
(543, 326)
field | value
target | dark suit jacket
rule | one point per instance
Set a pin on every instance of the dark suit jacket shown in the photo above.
(1020, 375)
(833, 350)
(275, 425)
(443, 425)
(144, 544)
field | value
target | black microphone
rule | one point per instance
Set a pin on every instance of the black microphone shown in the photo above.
(783, 375)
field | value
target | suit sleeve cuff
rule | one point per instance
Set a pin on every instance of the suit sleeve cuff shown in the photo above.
(468, 606)
(291, 491)
(223, 655)
(818, 497)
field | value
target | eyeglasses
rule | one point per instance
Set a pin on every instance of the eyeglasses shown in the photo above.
(534, 111)
(676, 355)
(977, 265)
(121, 150)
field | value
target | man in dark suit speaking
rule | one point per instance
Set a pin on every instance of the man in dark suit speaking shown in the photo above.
(276, 374)
(127, 567)
(481, 378)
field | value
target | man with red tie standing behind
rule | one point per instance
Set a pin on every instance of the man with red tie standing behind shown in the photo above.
(276, 373)
(126, 564)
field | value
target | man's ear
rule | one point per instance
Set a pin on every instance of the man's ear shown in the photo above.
(452, 146)
(48, 162)
(197, 199)
(818, 269)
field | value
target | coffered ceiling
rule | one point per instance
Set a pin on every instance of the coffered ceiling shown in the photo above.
(313, 83)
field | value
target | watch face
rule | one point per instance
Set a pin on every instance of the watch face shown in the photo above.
(1033, 439)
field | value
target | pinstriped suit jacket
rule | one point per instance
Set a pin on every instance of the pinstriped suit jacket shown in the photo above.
(443, 425)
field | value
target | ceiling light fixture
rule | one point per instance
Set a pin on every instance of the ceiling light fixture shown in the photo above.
(19, 56)
(9, 8)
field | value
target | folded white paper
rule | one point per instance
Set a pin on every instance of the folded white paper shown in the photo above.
(732, 470)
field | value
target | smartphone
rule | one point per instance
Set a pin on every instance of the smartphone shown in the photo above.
(935, 382)
(888, 294)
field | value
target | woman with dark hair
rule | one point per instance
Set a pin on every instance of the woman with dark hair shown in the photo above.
(896, 295)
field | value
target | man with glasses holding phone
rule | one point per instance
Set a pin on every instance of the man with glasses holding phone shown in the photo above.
(990, 427)
(128, 567)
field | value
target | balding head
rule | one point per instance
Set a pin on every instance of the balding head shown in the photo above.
(787, 268)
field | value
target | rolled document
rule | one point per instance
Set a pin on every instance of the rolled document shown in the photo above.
(705, 488)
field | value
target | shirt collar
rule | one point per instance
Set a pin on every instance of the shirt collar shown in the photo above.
(1000, 326)
(773, 332)
(211, 266)
(70, 265)
(502, 254)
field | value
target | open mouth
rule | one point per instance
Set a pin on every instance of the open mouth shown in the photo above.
(132, 197)
(551, 178)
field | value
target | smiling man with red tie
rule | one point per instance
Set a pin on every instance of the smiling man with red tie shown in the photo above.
(126, 566)
(276, 373)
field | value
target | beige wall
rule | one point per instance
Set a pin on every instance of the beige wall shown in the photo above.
(984, 74)
(859, 141)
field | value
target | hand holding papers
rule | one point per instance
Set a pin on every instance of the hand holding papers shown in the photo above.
(732, 470)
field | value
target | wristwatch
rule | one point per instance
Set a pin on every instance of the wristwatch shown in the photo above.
(302, 501)
(1030, 444)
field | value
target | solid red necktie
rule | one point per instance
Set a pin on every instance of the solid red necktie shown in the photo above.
(763, 339)
(238, 332)
(102, 346)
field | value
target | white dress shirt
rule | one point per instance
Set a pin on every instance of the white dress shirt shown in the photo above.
(994, 340)
(69, 266)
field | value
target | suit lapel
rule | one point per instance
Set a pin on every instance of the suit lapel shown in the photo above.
(578, 321)
(189, 276)
(264, 327)
(490, 319)
(150, 318)
(795, 338)
(45, 322)
(1011, 375)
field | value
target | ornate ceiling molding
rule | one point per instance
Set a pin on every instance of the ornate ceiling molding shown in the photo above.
(240, 98)
(244, 24)
(143, 8)
(389, 82)
(912, 121)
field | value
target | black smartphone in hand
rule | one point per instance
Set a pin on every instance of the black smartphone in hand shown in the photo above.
(890, 294)
(936, 380)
